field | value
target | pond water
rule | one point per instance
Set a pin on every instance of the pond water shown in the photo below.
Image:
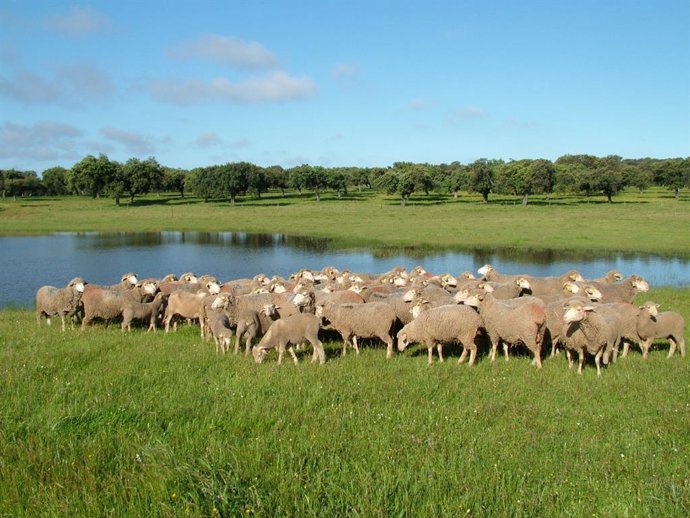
(31, 262)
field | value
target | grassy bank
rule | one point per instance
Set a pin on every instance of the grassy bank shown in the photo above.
(652, 222)
(99, 423)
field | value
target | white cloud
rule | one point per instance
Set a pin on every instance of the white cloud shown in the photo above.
(79, 22)
(345, 70)
(134, 142)
(71, 86)
(47, 140)
(226, 50)
(276, 86)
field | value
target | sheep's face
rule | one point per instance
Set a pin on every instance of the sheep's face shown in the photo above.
(399, 281)
(213, 287)
(652, 308)
(523, 283)
(402, 340)
(448, 280)
(319, 310)
(302, 298)
(575, 276)
(461, 296)
(270, 310)
(278, 287)
(474, 300)
(485, 270)
(571, 287)
(130, 278)
(189, 278)
(418, 308)
(640, 284)
(259, 354)
(150, 288)
(468, 276)
(593, 293)
(486, 287)
(222, 301)
(576, 312)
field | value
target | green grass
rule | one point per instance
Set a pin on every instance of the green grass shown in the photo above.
(100, 423)
(653, 222)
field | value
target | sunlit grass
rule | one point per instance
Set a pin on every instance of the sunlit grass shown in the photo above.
(101, 423)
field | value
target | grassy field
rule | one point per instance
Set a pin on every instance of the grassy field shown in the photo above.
(104, 424)
(652, 222)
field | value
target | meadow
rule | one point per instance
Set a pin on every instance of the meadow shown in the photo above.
(101, 423)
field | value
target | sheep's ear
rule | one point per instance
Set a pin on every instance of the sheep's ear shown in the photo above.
(588, 307)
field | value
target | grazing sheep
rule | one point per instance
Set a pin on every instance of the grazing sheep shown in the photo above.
(251, 323)
(370, 320)
(221, 331)
(59, 301)
(443, 324)
(291, 330)
(133, 310)
(107, 304)
(651, 325)
(585, 330)
(524, 323)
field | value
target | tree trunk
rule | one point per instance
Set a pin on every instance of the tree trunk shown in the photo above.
(485, 197)
(609, 197)
(677, 193)
(403, 201)
(131, 199)
(318, 196)
(455, 195)
(232, 200)
(525, 198)
(117, 200)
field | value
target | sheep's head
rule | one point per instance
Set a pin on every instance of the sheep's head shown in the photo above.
(639, 283)
(78, 284)
(576, 312)
(403, 342)
(149, 287)
(523, 284)
(419, 307)
(486, 270)
(222, 301)
(213, 287)
(652, 308)
(461, 296)
(467, 275)
(270, 310)
(475, 298)
(486, 287)
(574, 276)
(259, 354)
(188, 277)
(570, 287)
(448, 280)
(130, 278)
(593, 293)
(613, 276)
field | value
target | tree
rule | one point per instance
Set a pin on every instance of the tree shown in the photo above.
(306, 176)
(141, 176)
(55, 181)
(277, 178)
(118, 184)
(361, 177)
(638, 173)
(258, 181)
(482, 177)
(397, 181)
(675, 174)
(526, 177)
(233, 179)
(201, 182)
(91, 175)
(174, 180)
(609, 177)
(337, 180)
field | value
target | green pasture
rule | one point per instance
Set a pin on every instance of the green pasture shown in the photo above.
(652, 222)
(100, 423)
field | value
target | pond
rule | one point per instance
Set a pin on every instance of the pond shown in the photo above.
(30, 262)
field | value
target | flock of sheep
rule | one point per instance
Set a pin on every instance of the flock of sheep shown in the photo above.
(567, 312)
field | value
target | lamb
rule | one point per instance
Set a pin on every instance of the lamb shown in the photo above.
(107, 304)
(585, 330)
(221, 330)
(651, 324)
(133, 310)
(443, 324)
(524, 323)
(373, 319)
(59, 301)
(251, 323)
(292, 330)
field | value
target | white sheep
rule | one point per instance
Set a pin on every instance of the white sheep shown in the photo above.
(59, 301)
(441, 325)
(585, 330)
(133, 310)
(291, 330)
(651, 325)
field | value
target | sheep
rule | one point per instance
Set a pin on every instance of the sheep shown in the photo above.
(623, 291)
(510, 289)
(651, 324)
(251, 323)
(509, 324)
(373, 319)
(610, 277)
(293, 330)
(107, 304)
(555, 309)
(585, 330)
(538, 285)
(133, 310)
(443, 324)
(623, 317)
(59, 301)
(221, 330)
(191, 306)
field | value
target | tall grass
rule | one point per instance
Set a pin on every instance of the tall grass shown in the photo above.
(104, 423)
(653, 222)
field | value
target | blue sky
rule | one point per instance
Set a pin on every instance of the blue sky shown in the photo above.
(337, 83)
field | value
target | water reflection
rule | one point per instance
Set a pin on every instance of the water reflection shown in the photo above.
(30, 262)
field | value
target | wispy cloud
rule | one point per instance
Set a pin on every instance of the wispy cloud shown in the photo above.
(345, 70)
(419, 104)
(134, 142)
(79, 22)
(276, 86)
(47, 140)
(226, 50)
(70, 86)
(466, 113)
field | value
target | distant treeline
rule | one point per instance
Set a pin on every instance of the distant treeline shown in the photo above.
(577, 174)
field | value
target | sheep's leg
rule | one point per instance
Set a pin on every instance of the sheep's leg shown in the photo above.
(38, 318)
(345, 340)
(248, 345)
(672, 349)
(505, 350)
(537, 358)
(626, 347)
(581, 361)
(439, 348)
(48, 320)
(463, 355)
(238, 340)
(291, 350)
(597, 360)
(355, 344)
(389, 347)
(319, 353)
(681, 344)
(646, 345)
(430, 350)
(473, 356)
(569, 355)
